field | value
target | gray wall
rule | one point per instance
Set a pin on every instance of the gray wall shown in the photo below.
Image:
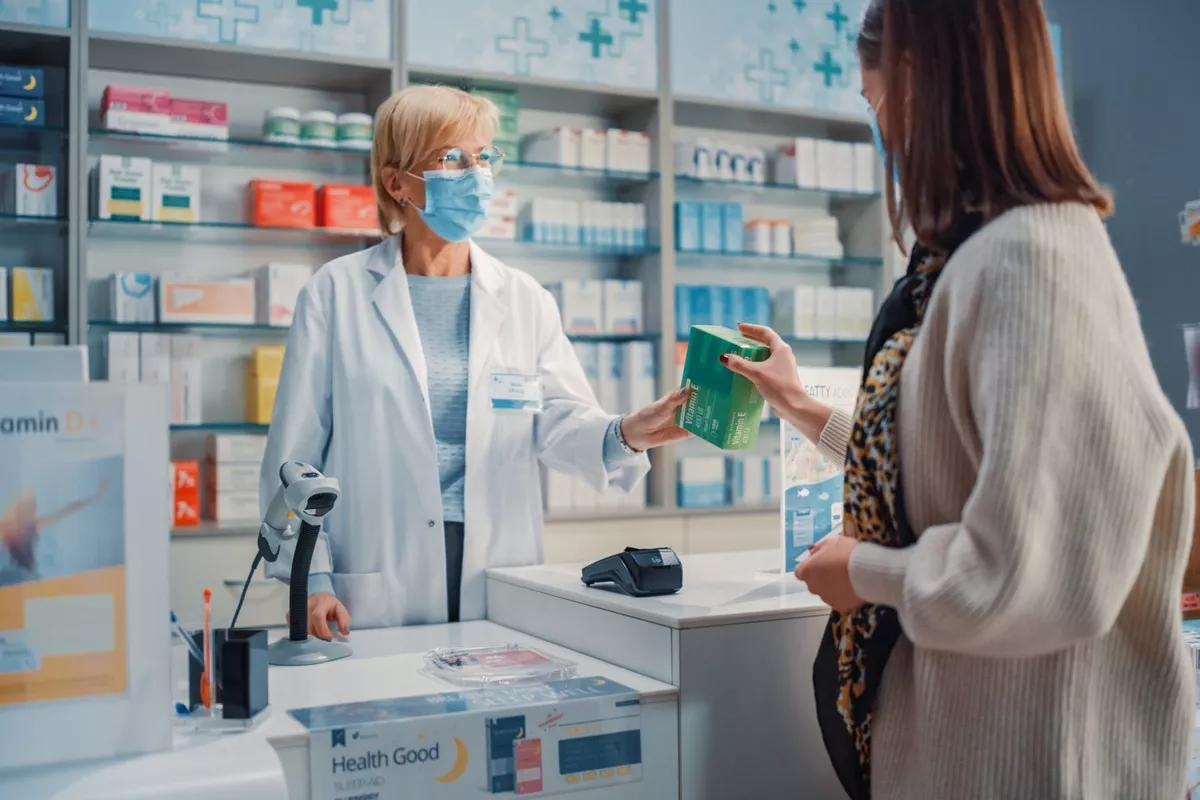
(1132, 72)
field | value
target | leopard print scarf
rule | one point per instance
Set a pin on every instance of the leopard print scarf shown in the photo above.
(852, 657)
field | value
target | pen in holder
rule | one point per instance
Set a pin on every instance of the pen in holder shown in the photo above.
(239, 677)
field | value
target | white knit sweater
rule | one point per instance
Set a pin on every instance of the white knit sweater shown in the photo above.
(1051, 485)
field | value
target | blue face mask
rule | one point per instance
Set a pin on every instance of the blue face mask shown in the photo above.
(456, 201)
(879, 145)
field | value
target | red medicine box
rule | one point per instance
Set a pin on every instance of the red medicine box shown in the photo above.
(185, 493)
(347, 207)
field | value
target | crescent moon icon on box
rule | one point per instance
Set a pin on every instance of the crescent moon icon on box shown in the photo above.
(29, 87)
(459, 767)
(33, 114)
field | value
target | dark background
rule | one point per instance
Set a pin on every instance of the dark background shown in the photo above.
(1132, 75)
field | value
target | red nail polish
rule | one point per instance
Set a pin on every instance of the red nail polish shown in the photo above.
(725, 358)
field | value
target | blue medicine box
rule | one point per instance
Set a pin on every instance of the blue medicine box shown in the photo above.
(23, 113)
(712, 232)
(713, 305)
(734, 230)
(22, 82)
(753, 305)
(683, 311)
(687, 227)
(701, 306)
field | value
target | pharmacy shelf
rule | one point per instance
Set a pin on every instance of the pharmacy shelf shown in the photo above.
(34, 44)
(755, 261)
(206, 328)
(702, 112)
(250, 152)
(220, 427)
(13, 224)
(31, 138)
(530, 249)
(609, 514)
(564, 96)
(207, 528)
(763, 192)
(530, 173)
(226, 233)
(11, 326)
(194, 59)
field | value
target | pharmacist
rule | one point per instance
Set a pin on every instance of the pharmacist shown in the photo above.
(430, 379)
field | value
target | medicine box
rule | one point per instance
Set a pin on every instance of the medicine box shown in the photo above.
(131, 297)
(593, 144)
(747, 478)
(581, 303)
(277, 287)
(16, 340)
(185, 493)
(22, 112)
(29, 190)
(505, 203)
(229, 302)
(124, 357)
(609, 369)
(622, 307)
(683, 310)
(795, 312)
(722, 408)
(639, 386)
(175, 192)
(134, 109)
(234, 477)
(687, 227)
(281, 204)
(752, 304)
(733, 229)
(186, 383)
(557, 146)
(235, 448)
(866, 167)
(200, 119)
(32, 294)
(702, 482)
(712, 305)
(825, 324)
(712, 233)
(232, 506)
(347, 207)
(155, 358)
(122, 188)
(261, 388)
(24, 82)
(796, 164)
(49, 339)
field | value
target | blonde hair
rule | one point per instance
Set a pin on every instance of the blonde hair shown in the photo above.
(410, 123)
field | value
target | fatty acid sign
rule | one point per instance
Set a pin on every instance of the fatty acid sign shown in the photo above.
(563, 736)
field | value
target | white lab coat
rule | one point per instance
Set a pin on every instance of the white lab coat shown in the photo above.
(353, 401)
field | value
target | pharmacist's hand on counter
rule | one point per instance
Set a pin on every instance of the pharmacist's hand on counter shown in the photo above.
(778, 380)
(826, 571)
(324, 608)
(654, 425)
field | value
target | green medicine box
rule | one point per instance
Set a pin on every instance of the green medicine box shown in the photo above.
(723, 408)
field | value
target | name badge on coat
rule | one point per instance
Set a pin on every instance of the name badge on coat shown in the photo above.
(516, 392)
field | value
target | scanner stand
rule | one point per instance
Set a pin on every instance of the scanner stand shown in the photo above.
(299, 649)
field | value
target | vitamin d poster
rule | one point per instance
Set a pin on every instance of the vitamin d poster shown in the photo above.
(812, 483)
(554, 738)
(62, 547)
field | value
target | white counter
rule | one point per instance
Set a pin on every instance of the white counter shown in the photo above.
(738, 640)
(385, 664)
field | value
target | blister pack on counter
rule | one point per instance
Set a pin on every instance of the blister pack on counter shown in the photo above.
(497, 664)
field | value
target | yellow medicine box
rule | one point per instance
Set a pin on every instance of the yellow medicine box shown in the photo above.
(262, 382)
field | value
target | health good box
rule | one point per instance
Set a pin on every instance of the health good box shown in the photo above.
(723, 408)
(21, 82)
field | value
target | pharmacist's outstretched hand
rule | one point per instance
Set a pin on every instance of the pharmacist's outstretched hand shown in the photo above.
(654, 425)
(324, 608)
(776, 378)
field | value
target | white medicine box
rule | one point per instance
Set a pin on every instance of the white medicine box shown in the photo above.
(826, 312)
(795, 312)
(796, 164)
(592, 148)
(122, 188)
(557, 146)
(581, 303)
(277, 287)
(175, 192)
(622, 307)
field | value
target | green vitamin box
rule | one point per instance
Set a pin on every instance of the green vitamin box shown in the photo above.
(723, 408)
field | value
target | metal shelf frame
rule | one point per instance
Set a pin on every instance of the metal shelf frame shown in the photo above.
(658, 112)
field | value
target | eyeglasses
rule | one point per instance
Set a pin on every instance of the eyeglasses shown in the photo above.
(457, 158)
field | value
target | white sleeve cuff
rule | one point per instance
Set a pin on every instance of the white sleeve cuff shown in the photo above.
(877, 573)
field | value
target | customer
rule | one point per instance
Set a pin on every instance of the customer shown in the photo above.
(403, 364)
(1019, 494)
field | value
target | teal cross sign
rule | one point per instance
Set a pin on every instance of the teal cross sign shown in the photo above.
(838, 17)
(633, 9)
(597, 37)
(318, 7)
(229, 13)
(521, 46)
(766, 75)
(828, 67)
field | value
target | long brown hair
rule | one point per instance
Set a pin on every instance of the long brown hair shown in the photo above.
(975, 117)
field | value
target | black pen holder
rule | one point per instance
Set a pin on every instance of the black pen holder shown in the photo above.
(239, 672)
